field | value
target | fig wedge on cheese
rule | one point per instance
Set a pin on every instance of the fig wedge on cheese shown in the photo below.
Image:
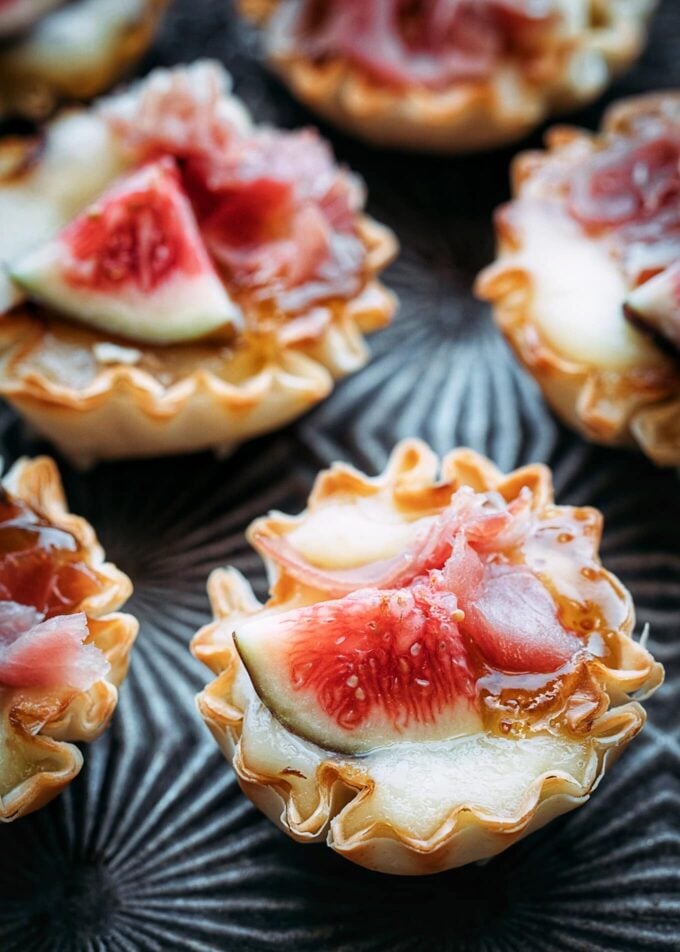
(422, 698)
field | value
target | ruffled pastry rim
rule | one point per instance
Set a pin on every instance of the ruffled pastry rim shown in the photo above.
(471, 116)
(36, 97)
(56, 721)
(295, 374)
(636, 406)
(415, 477)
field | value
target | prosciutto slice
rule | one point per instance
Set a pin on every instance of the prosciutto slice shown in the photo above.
(431, 43)
(626, 193)
(509, 614)
(629, 184)
(275, 210)
(485, 519)
(299, 212)
(46, 654)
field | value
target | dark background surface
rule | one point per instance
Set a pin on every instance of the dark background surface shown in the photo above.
(153, 846)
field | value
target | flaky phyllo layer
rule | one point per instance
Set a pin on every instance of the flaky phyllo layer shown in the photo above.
(449, 76)
(442, 665)
(64, 647)
(224, 308)
(585, 284)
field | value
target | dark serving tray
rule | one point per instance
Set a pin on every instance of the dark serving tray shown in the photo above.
(153, 846)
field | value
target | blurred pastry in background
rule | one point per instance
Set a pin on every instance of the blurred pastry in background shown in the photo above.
(174, 277)
(51, 50)
(447, 75)
(64, 646)
(586, 286)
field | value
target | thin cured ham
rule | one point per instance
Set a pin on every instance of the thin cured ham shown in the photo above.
(40, 564)
(630, 182)
(509, 614)
(484, 520)
(629, 192)
(435, 43)
(275, 210)
(409, 43)
(35, 653)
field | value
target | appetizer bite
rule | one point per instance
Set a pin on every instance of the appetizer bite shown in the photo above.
(176, 278)
(442, 666)
(54, 50)
(447, 75)
(64, 647)
(585, 286)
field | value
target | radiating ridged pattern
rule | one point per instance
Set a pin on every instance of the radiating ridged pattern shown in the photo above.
(154, 847)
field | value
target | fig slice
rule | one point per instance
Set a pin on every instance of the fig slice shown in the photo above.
(365, 671)
(133, 263)
(655, 305)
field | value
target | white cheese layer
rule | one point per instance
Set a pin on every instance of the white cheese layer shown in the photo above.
(78, 161)
(417, 786)
(577, 292)
(342, 536)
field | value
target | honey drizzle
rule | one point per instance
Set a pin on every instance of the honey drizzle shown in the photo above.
(568, 700)
(40, 564)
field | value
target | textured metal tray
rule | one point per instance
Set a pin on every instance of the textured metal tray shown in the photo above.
(153, 846)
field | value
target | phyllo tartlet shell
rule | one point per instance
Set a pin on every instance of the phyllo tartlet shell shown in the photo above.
(40, 725)
(473, 115)
(628, 406)
(137, 400)
(337, 802)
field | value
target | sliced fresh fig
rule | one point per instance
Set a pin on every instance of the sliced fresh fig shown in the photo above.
(655, 305)
(364, 671)
(18, 15)
(45, 182)
(133, 263)
(74, 53)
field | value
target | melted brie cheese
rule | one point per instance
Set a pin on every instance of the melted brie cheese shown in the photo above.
(578, 292)
(417, 786)
(343, 536)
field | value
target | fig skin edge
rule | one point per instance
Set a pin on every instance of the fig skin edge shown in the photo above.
(342, 785)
